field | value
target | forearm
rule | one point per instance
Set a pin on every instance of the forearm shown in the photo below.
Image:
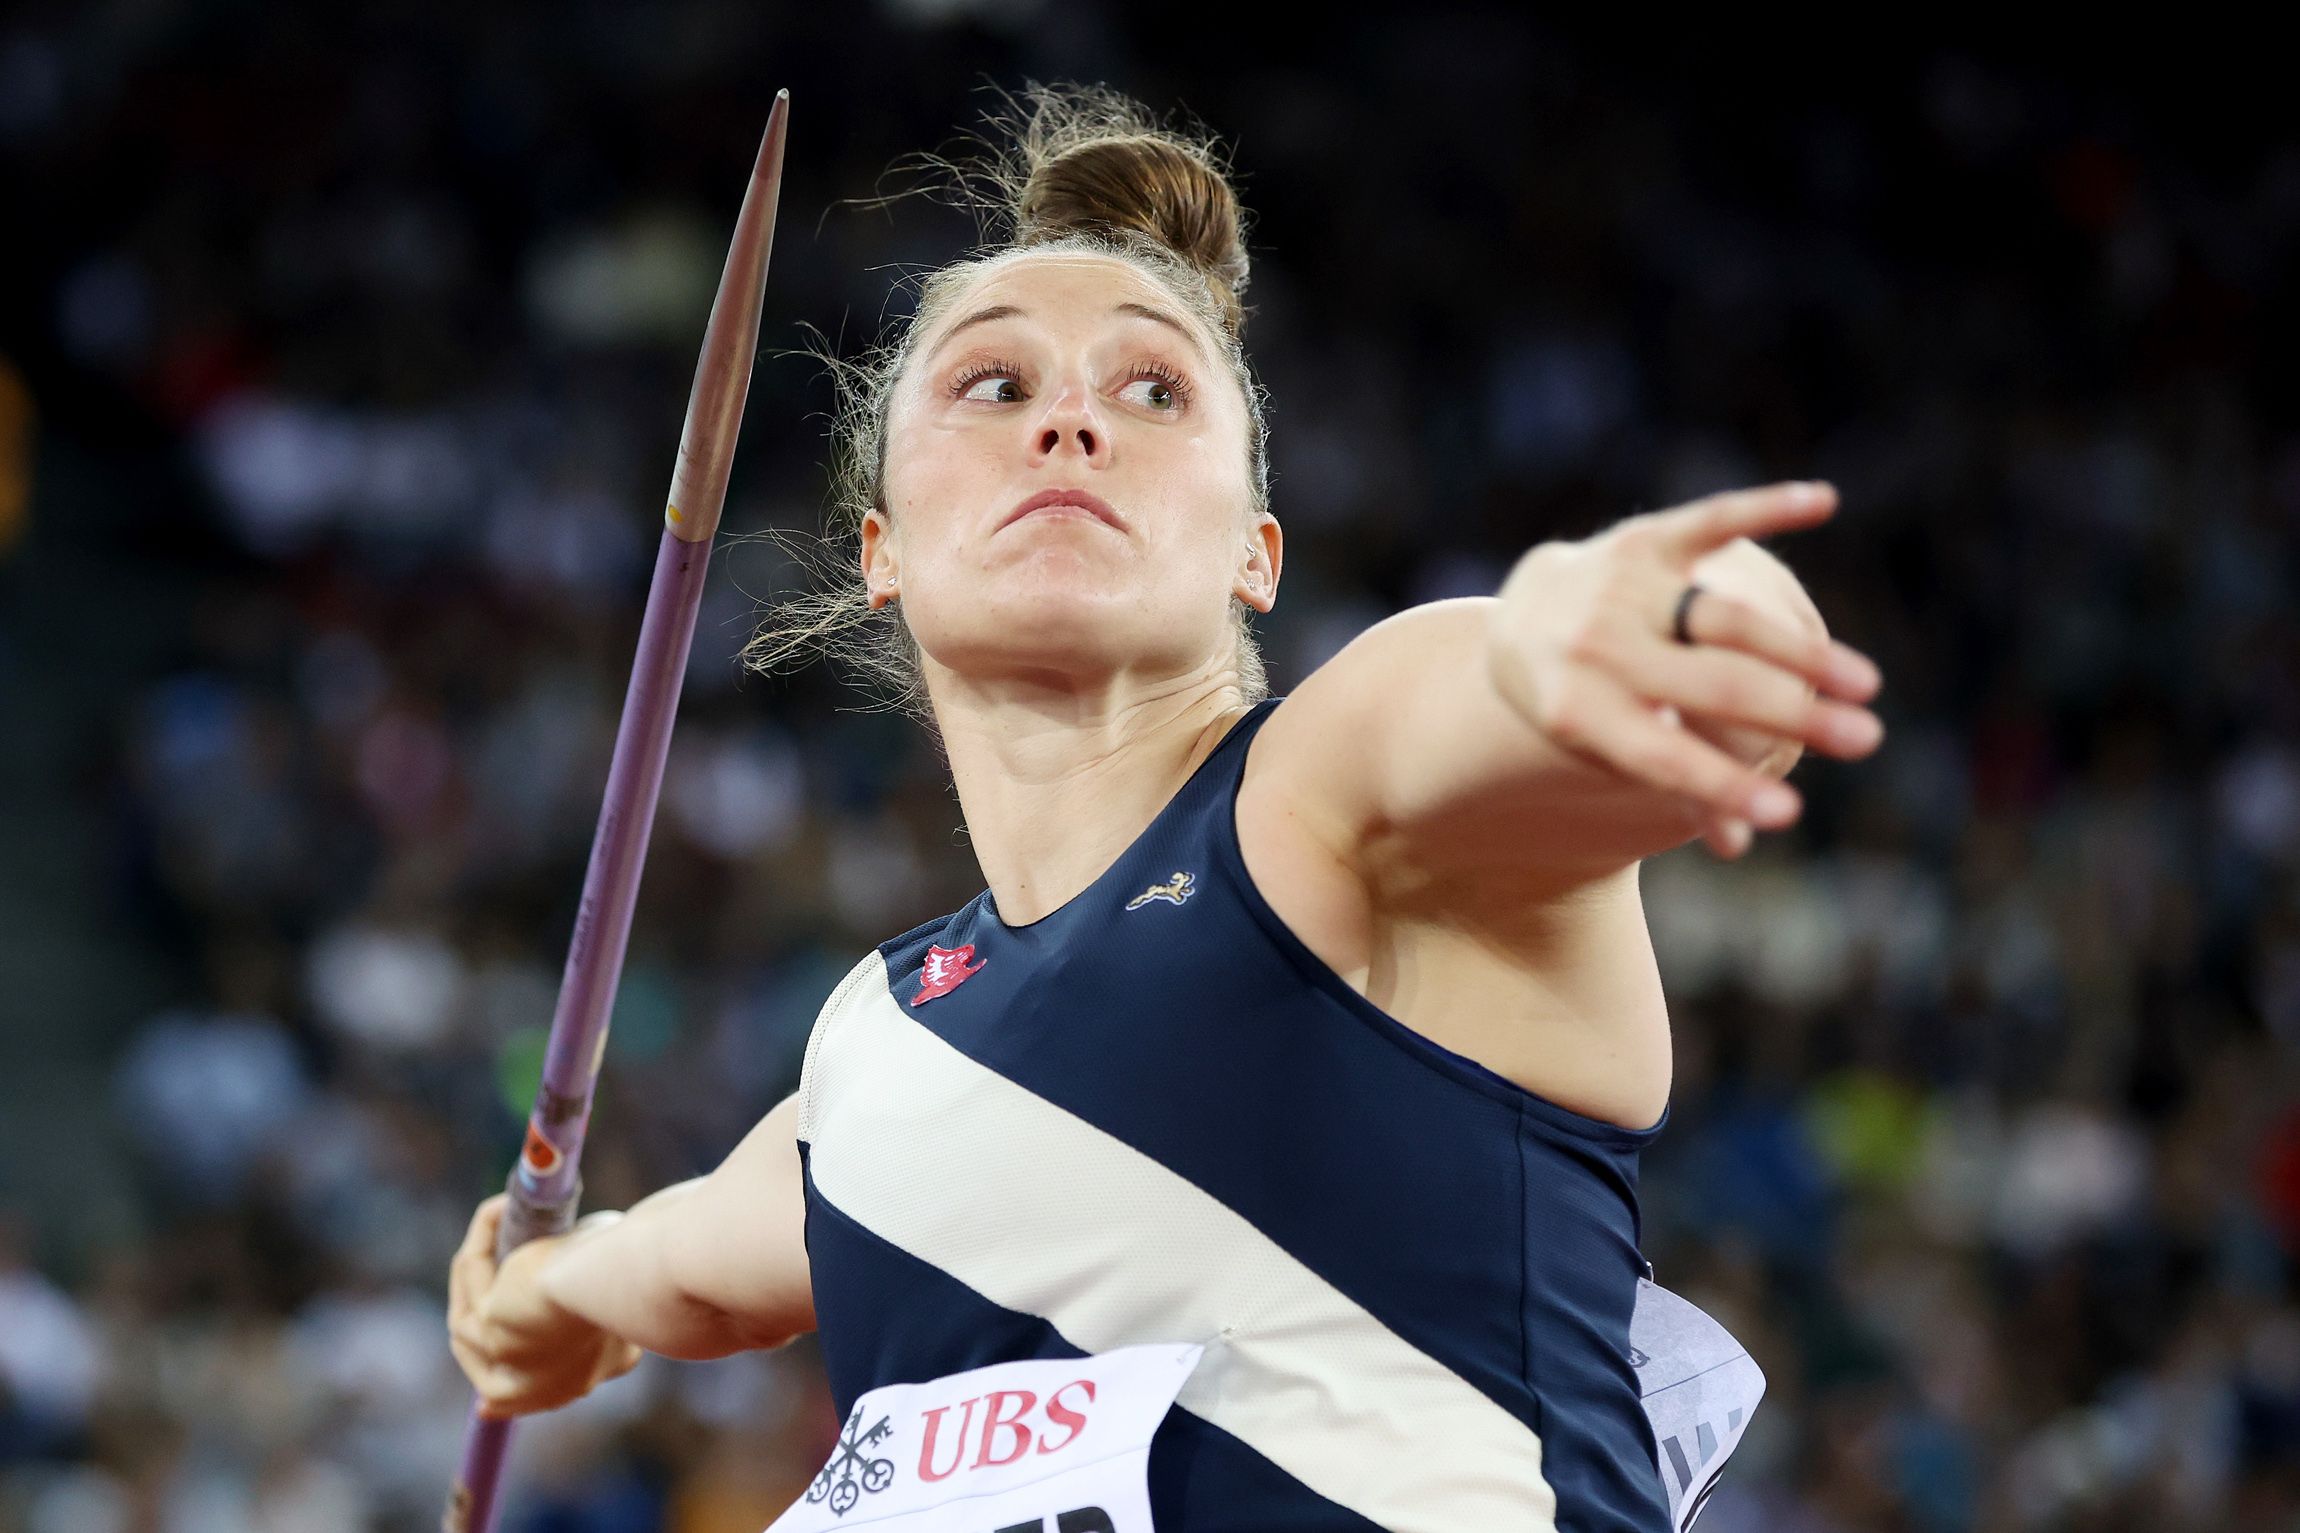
(616, 1272)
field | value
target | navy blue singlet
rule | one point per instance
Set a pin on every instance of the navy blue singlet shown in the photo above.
(1155, 1115)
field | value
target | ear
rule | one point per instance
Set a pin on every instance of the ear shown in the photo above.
(1257, 577)
(881, 570)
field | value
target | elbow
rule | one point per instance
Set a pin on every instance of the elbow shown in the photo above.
(695, 1331)
(740, 1330)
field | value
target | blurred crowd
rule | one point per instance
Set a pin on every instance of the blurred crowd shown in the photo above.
(363, 338)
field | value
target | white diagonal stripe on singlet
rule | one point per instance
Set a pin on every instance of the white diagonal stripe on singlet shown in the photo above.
(1041, 1212)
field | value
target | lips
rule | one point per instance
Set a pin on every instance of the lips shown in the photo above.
(1079, 498)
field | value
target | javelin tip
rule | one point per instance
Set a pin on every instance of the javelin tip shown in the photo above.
(770, 162)
(723, 374)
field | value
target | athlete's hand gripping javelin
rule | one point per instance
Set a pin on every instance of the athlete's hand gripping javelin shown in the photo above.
(521, 1350)
(1581, 646)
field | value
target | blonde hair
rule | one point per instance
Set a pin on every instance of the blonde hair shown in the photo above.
(1086, 170)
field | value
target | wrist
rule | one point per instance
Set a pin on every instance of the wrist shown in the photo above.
(559, 1271)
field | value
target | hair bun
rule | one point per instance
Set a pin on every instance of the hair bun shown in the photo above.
(1091, 159)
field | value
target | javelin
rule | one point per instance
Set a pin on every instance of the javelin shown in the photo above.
(544, 1185)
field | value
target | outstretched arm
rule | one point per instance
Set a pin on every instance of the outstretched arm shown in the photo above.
(703, 1268)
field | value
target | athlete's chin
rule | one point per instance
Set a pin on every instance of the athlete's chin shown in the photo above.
(1083, 606)
(1074, 635)
(1050, 641)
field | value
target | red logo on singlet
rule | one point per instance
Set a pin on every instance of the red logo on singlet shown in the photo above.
(946, 969)
(1013, 1424)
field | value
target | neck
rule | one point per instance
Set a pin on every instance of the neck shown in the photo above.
(1055, 784)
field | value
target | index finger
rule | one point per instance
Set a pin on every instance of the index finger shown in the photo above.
(1699, 526)
(479, 1237)
(473, 1265)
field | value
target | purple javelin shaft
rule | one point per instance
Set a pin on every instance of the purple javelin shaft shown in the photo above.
(545, 1185)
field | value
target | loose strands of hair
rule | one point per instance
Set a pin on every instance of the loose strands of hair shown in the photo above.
(1082, 168)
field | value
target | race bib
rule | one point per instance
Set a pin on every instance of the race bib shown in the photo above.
(1054, 1446)
(1698, 1386)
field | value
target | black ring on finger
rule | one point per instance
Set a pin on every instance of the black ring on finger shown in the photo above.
(1677, 625)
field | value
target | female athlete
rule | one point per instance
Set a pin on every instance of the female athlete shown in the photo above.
(1318, 1033)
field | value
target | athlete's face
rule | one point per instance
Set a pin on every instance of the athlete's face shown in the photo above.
(1077, 385)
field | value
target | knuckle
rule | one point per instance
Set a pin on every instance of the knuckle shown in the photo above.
(1742, 781)
(1791, 705)
(1762, 695)
(1724, 619)
(1653, 760)
(1642, 535)
(1588, 643)
(1735, 694)
(1715, 784)
(1693, 768)
(1633, 537)
(1565, 716)
(1733, 617)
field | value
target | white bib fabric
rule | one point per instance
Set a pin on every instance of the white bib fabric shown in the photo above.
(1698, 1386)
(1042, 1446)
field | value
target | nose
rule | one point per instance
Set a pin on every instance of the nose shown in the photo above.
(1070, 424)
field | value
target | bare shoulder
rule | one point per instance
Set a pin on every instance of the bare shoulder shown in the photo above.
(1548, 982)
(1323, 759)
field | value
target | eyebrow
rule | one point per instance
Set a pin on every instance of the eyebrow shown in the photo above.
(1010, 311)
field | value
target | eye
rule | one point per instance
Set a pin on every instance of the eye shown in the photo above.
(1163, 390)
(1168, 391)
(962, 387)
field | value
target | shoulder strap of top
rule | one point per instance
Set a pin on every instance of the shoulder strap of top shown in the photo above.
(871, 965)
(1227, 759)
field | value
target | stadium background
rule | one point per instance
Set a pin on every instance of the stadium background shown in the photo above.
(342, 353)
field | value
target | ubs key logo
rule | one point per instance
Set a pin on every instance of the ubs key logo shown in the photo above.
(852, 1473)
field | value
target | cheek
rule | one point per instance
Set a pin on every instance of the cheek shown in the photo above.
(939, 483)
(923, 494)
(1194, 566)
(1220, 459)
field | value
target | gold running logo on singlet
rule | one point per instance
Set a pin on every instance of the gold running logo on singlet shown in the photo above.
(1174, 891)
